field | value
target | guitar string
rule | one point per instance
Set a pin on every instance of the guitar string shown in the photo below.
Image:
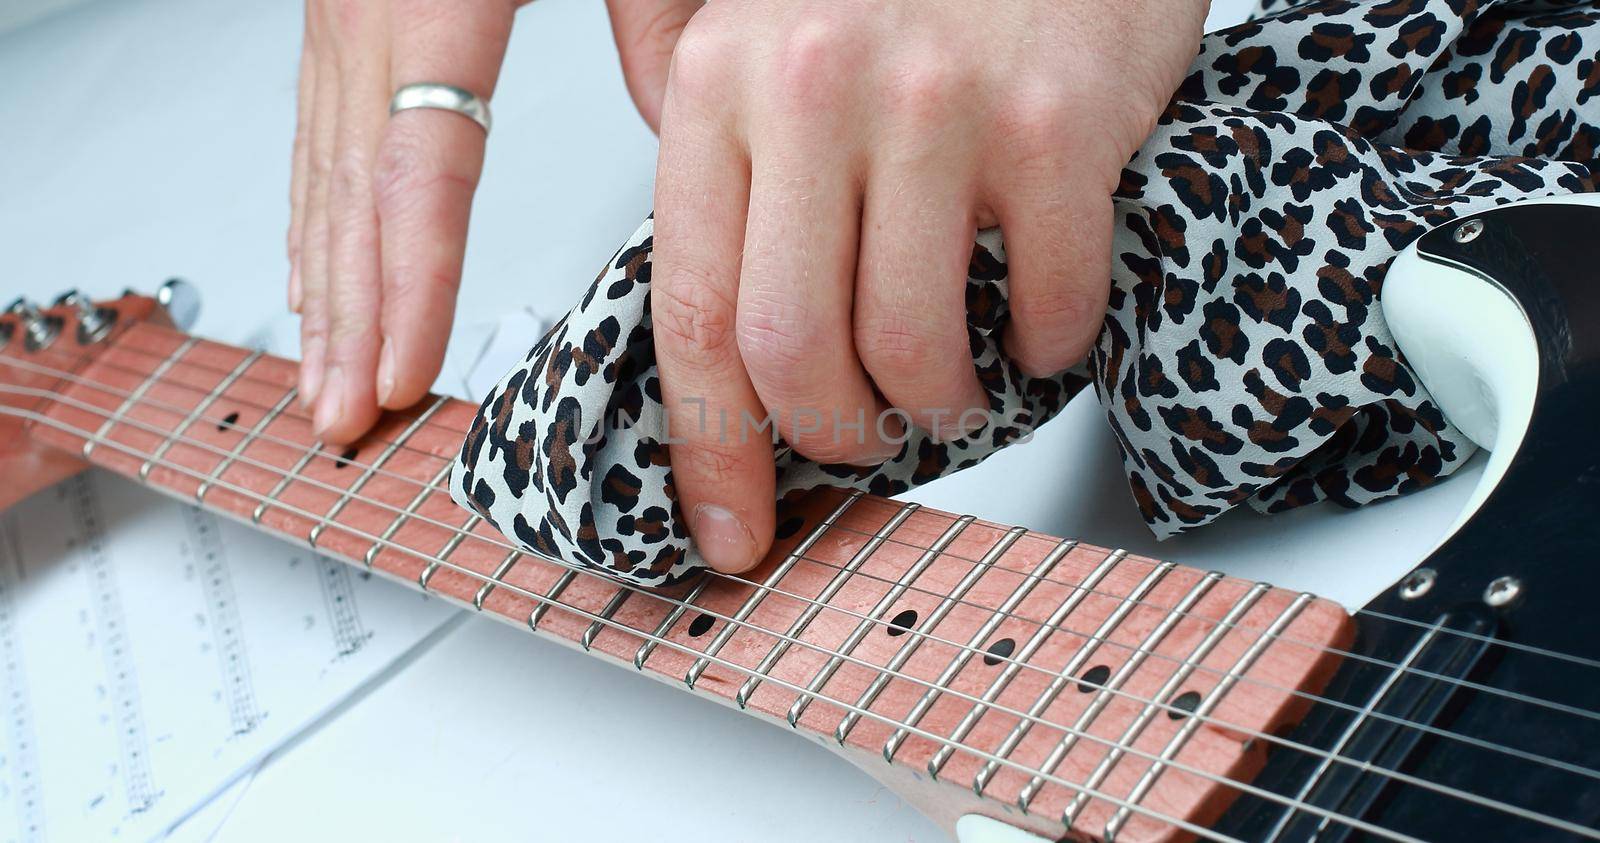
(1053, 628)
(1469, 684)
(1243, 787)
(1511, 751)
(1420, 625)
(1443, 789)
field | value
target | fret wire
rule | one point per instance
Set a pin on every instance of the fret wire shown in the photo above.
(606, 613)
(1012, 667)
(965, 655)
(443, 556)
(1243, 787)
(1137, 726)
(137, 393)
(1060, 680)
(1350, 730)
(240, 446)
(1245, 661)
(848, 721)
(840, 577)
(366, 473)
(750, 603)
(284, 481)
(1080, 593)
(405, 515)
(199, 408)
(1426, 728)
(553, 598)
(1359, 656)
(666, 623)
(874, 617)
(500, 572)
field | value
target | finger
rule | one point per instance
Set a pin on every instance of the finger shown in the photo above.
(723, 478)
(796, 288)
(645, 32)
(300, 161)
(314, 241)
(911, 311)
(1058, 255)
(347, 405)
(428, 166)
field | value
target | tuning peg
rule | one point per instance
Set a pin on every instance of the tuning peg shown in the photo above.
(181, 301)
(94, 323)
(39, 330)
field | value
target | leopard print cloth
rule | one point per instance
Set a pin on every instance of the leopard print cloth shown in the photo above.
(1243, 357)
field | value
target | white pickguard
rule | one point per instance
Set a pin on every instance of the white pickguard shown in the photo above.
(1468, 342)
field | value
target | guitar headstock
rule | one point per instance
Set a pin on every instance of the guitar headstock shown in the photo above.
(74, 324)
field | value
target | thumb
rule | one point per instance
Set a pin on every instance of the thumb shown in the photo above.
(646, 32)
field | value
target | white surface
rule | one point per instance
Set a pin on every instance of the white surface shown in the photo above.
(145, 139)
(976, 828)
(153, 653)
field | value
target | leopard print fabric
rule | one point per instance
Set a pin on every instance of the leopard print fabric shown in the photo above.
(1243, 357)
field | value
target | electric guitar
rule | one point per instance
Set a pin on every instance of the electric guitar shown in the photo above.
(1012, 685)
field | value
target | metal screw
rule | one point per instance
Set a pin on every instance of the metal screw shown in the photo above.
(1502, 591)
(1417, 583)
(1468, 231)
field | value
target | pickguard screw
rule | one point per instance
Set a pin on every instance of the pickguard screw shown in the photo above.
(1468, 231)
(1502, 591)
(1417, 583)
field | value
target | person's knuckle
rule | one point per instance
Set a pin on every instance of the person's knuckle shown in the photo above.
(923, 91)
(349, 177)
(812, 64)
(892, 345)
(775, 338)
(693, 321)
(711, 462)
(407, 165)
(702, 58)
(1036, 119)
(345, 333)
(408, 282)
(1054, 305)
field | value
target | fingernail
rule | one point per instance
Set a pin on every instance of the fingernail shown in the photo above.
(328, 404)
(722, 539)
(294, 289)
(310, 376)
(385, 373)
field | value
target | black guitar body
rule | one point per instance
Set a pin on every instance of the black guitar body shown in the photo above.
(1496, 636)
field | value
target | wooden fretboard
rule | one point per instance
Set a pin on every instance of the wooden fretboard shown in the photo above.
(1054, 679)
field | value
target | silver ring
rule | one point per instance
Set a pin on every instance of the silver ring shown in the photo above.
(443, 97)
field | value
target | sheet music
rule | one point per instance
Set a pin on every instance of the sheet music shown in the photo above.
(152, 654)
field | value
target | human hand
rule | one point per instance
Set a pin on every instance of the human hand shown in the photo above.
(824, 167)
(379, 204)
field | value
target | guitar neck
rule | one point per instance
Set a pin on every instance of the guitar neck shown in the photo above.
(1017, 669)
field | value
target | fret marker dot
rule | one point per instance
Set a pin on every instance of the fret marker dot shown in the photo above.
(345, 458)
(902, 622)
(701, 625)
(999, 651)
(1185, 703)
(1094, 678)
(228, 421)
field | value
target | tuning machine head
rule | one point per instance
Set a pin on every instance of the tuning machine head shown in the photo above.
(94, 323)
(181, 301)
(38, 329)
